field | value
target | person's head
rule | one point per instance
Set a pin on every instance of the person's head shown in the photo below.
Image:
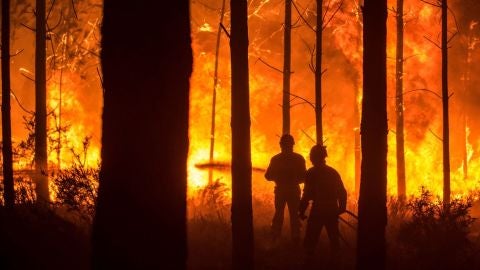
(318, 153)
(286, 143)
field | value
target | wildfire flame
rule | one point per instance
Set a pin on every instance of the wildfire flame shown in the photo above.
(342, 51)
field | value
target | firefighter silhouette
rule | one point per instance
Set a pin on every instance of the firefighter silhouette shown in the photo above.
(287, 170)
(324, 187)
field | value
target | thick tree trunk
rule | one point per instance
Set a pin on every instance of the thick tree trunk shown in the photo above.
(140, 220)
(8, 190)
(214, 94)
(287, 54)
(400, 137)
(445, 97)
(242, 217)
(41, 158)
(318, 73)
(373, 188)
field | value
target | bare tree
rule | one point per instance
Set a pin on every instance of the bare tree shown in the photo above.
(242, 216)
(318, 73)
(41, 163)
(400, 136)
(214, 94)
(372, 212)
(140, 220)
(8, 185)
(287, 55)
(445, 98)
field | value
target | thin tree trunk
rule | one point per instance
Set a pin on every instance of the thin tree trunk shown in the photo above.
(357, 143)
(318, 73)
(214, 94)
(8, 185)
(41, 164)
(400, 137)
(445, 97)
(356, 114)
(371, 247)
(287, 54)
(140, 220)
(242, 216)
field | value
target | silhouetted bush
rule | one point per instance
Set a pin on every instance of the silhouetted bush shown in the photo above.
(76, 190)
(436, 235)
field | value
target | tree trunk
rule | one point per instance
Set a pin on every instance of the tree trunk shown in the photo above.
(445, 97)
(318, 73)
(8, 190)
(400, 137)
(357, 144)
(140, 220)
(287, 43)
(41, 158)
(242, 217)
(214, 94)
(356, 115)
(373, 187)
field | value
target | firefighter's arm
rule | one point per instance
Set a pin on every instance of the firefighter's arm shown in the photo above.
(271, 174)
(342, 196)
(305, 200)
(302, 171)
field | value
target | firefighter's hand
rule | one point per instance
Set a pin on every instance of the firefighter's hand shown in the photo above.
(302, 216)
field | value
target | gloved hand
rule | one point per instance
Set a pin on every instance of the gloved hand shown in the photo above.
(302, 216)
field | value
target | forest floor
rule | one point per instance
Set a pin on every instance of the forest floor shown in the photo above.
(41, 239)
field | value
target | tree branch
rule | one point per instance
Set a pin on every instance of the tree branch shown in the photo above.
(333, 15)
(225, 29)
(270, 66)
(20, 104)
(433, 42)
(424, 90)
(302, 98)
(301, 16)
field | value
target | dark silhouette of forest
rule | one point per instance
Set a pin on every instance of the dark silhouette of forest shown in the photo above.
(134, 211)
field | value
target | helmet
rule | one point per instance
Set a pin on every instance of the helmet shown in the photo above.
(318, 153)
(287, 140)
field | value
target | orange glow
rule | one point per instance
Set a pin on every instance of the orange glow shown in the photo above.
(343, 61)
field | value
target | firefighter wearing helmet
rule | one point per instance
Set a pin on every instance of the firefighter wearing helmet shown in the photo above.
(324, 188)
(287, 170)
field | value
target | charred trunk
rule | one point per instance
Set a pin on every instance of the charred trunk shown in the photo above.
(8, 190)
(372, 212)
(287, 54)
(318, 73)
(242, 216)
(214, 94)
(41, 163)
(445, 98)
(400, 136)
(140, 220)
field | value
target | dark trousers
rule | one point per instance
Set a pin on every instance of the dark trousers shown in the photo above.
(289, 196)
(314, 228)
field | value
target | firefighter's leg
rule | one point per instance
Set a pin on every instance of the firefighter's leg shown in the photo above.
(333, 235)
(293, 204)
(277, 221)
(312, 235)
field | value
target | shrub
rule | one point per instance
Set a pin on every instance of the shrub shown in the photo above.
(436, 236)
